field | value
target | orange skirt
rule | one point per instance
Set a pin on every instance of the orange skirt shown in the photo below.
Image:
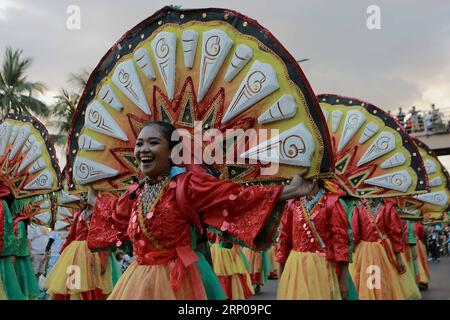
(422, 263)
(374, 275)
(408, 280)
(232, 274)
(152, 282)
(77, 270)
(308, 276)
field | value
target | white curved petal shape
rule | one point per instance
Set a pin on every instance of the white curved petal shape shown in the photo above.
(396, 160)
(44, 217)
(368, 132)
(215, 46)
(38, 165)
(295, 146)
(143, 60)
(87, 143)
(336, 117)
(108, 95)
(45, 204)
(97, 118)
(87, 171)
(284, 108)
(42, 182)
(439, 198)
(14, 132)
(435, 182)
(68, 198)
(64, 212)
(399, 181)
(430, 166)
(241, 57)
(383, 144)
(5, 133)
(60, 225)
(22, 136)
(353, 122)
(125, 77)
(189, 39)
(32, 155)
(259, 82)
(164, 47)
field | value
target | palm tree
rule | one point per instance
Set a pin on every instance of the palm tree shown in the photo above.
(65, 106)
(63, 109)
(16, 92)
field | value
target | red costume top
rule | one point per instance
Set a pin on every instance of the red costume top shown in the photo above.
(163, 234)
(386, 221)
(419, 231)
(329, 219)
(78, 230)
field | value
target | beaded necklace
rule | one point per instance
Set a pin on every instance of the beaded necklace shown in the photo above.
(152, 192)
(307, 206)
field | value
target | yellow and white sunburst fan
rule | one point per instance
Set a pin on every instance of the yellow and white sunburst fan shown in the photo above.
(438, 197)
(39, 209)
(208, 69)
(374, 156)
(28, 163)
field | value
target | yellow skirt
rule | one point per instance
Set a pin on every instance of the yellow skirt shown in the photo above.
(422, 263)
(151, 282)
(2, 292)
(232, 274)
(77, 270)
(106, 283)
(407, 280)
(273, 261)
(374, 275)
(308, 276)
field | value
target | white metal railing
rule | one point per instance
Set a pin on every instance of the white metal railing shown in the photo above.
(440, 121)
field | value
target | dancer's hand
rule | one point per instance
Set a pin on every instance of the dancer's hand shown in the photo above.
(298, 187)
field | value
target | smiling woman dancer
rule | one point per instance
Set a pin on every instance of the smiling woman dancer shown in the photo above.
(167, 266)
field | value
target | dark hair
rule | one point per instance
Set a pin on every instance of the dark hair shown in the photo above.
(167, 130)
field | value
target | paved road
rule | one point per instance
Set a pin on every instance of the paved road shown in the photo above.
(438, 289)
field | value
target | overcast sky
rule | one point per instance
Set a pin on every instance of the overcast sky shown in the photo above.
(404, 63)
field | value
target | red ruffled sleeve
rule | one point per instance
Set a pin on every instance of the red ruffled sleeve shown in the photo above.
(339, 227)
(356, 226)
(285, 239)
(72, 232)
(239, 212)
(394, 225)
(419, 231)
(104, 232)
(119, 209)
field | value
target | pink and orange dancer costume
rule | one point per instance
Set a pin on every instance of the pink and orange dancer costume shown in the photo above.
(167, 265)
(421, 252)
(408, 279)
(84, 281)
(377, 233)
(313, 236)
(230, 269)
